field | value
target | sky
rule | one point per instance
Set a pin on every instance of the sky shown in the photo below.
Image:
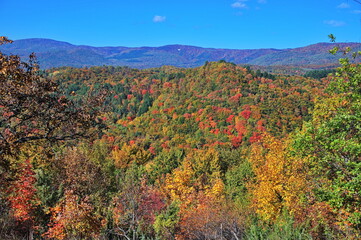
(231, 24)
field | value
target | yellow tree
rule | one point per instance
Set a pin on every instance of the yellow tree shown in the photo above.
(198, 188)
(199, 172)
(280, 179)
(129, 154)
(180, 185)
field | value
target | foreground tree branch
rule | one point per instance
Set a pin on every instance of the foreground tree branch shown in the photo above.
(31, 107)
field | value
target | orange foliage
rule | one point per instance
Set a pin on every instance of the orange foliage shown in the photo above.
(72, 218)
(23, 199)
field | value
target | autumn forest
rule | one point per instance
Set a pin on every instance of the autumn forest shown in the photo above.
(221, 151)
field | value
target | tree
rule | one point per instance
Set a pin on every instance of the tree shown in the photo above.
(32, 109)
(332, 142)
(135, 205)
(279, 179)
(23, 198)
(74, 218)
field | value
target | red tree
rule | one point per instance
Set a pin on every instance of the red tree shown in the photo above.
(22, 198)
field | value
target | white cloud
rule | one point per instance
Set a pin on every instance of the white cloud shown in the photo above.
(239, 4)
(344, 5)
(334, 23)
(158, 19)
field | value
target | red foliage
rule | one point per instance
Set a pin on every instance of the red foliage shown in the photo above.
(22, 197)
(256, 136)
(215, 131)
(165, 145)
(235, 98)
(246, 114)
(187, 115)
(150, 203)
(260, 126)
(236, 141)
(227, 131)
(203, 125)
(230, 119)
(168, 110)
(213, 124)
(321, 215)
(241, 127)
(152, 150)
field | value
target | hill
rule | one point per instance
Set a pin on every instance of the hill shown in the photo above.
(53, 53)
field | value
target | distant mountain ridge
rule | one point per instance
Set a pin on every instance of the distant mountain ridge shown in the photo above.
(52, 53)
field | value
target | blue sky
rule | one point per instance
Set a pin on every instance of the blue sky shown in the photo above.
(235, 24)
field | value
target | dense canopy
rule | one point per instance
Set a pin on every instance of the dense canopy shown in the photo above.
(215, 152)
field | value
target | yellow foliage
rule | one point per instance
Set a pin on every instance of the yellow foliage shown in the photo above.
(205, 162)
(199, 174)
(128, 154)
(326, 108)
(180, 186)
(216, 191)
(280, 179)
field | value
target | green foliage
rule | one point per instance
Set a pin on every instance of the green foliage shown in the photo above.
(237, 180)
(332, 142)
(165, 162)
(165, 223)
(318, 74)
(284, 230)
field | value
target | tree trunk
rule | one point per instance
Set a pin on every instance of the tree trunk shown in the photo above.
(31, 234)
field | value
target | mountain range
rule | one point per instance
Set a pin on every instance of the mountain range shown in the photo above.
(52, 53)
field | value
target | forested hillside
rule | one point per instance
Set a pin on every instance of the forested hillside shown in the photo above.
(213, 152)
